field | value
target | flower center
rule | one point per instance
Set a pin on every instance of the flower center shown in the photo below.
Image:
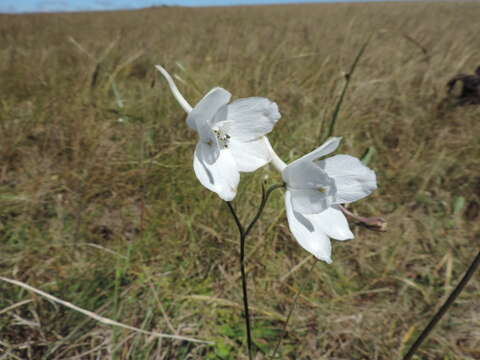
(222, 137)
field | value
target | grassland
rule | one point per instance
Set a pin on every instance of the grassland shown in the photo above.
(100, 205)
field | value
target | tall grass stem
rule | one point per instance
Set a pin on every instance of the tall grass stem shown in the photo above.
(348, 77)
(436, 318)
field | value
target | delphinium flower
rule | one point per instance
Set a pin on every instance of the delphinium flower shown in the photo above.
(231, 136)
(315, 188)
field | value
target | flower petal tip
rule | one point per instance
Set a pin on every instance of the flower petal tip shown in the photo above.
(328, 260)
(227, 197)
(275, 113)
(345, 237)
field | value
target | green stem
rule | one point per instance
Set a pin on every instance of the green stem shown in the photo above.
(265, 196)
(436, 318)
(244, 279)
(243, 235)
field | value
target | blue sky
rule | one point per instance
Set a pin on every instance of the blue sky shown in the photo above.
(19, 6)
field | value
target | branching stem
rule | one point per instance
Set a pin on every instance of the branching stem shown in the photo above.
(243, 235)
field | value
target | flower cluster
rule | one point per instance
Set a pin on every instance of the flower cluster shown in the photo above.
(232, 139)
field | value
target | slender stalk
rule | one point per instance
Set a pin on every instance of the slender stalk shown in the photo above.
(235, 217)
(348, 77)
(297, 295)
(245, 298)
(173, 88)
(265, 196)
(244, 279)
(436, 318)
(243, 235)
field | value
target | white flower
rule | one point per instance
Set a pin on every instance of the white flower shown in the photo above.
(315, 188)
(231, 136)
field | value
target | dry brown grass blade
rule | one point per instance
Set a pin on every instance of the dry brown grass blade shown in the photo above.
(295, 268)
(14, 306)
(99, 318)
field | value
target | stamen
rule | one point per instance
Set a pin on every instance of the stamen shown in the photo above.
(222, 137)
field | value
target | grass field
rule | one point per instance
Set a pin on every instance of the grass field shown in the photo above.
(100, 205)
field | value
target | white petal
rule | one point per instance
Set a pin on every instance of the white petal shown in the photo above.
(333, 223)
(308, 235)
(173, 88)
(207, 152)
(252, 117)
(251, 155)
(329, 146)
(353, 180)
(204, 112)
(220, 116)
(221, 177)
(310, 201)
(305, 175)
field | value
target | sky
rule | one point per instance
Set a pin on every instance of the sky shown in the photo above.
(21, 6)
